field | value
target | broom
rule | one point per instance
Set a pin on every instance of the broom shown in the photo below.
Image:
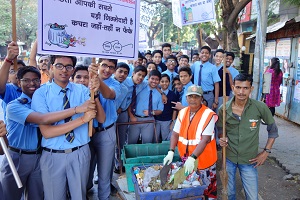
(223, 172)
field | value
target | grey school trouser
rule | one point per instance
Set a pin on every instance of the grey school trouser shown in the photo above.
(163, 130)
(28, 168)
(146, 130)
(62, 169)
(103, 144)
(122, 135)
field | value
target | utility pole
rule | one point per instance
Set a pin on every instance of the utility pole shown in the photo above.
(260, 41)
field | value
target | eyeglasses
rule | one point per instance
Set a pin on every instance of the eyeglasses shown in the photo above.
(61, 66)
(43, 60)
(106, 66)
(171, 61)
(28, 81)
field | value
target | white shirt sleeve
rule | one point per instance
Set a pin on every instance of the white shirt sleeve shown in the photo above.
(209, 130)
(177, 125)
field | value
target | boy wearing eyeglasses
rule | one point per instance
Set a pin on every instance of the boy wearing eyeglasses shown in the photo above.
(103, 141)
(171, 64)
(65, 159)
(24, 138)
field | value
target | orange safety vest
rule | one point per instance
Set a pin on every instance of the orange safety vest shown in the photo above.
(190, 135)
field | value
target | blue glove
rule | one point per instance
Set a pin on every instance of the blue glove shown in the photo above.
(189, 165)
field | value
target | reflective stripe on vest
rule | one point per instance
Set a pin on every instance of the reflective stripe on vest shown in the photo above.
(189, 138)
(202, 126)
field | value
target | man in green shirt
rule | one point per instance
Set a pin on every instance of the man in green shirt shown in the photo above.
(243, 117)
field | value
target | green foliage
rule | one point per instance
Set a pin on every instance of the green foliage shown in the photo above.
(5, 25)
(26, 15)
(293, 2)
(164, 15)
(187, 33)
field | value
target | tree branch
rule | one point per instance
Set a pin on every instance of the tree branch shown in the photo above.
(237, 9)
(163, 2)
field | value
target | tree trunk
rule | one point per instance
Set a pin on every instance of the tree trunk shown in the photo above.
(150, 41)
(198, 39)
(231, 9)
(232, 40)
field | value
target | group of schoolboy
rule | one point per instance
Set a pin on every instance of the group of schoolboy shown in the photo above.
(47, 124)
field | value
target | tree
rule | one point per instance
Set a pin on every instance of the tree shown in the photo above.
(5, 26)
(231, 9)
(293, 2)
(163, 19)
(26, 14)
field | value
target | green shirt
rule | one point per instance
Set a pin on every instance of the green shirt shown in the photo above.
(243, 131)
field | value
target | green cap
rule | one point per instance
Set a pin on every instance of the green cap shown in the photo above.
(194, 89)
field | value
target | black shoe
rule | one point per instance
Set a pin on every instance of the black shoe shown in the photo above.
(96, 180)
(117, 170)
(113, 190)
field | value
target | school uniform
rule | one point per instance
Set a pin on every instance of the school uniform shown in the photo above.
(103, 142)
(234, 72)
(142, 103)
(64, 163)
(209, 76)
(24, 143)
(128, 82)
(162, 67)
(183, 97)
(172, 75)
(11, 92)
(131, 69)
(164, 120)
(122, 117)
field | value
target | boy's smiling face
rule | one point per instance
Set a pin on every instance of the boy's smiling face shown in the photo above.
(164, 83)
(138, 77)
(153, 81)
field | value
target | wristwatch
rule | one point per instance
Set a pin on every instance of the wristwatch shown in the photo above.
(194, 156)
(267, 150)
(217, 103)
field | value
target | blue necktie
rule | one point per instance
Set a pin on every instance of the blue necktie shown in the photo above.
(150, 104)
(133, 99)
(70, 135)
(172, 77)
(199, 79)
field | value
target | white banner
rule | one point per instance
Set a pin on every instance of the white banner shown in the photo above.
(176, 13)
(105, 29)
(197, 11)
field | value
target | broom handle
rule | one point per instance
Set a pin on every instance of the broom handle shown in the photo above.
(92, 98)
(224, 112)
(14, 29)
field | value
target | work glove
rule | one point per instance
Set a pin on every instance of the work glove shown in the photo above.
(189, 165)
(169, 158)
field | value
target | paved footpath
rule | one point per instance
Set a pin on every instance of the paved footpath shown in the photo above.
(286, 149)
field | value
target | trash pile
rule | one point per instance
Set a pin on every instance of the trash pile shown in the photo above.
(168, 177)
